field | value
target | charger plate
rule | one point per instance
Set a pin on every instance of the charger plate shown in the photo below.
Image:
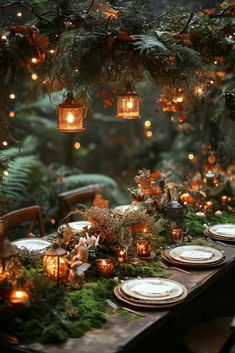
(195, 254)
(223, 230)
(32, 244)
(157, 289)
(214, 237)
(148, 304)
(165, 256)
(76, 227)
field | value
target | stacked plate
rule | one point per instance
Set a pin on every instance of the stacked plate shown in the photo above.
(221, 232)
(31, 244)
(151, 292)
(75, 227)
(194, 256)
(121, 210)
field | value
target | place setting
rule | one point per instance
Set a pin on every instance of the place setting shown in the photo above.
(152, 293)
(222, 233)
(194, 256)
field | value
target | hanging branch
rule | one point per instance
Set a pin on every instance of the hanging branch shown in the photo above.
(90, 7)
(163, 14)
(187, 24)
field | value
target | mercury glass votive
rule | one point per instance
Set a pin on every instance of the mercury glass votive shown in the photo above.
(105, 267)
(122, 254)
(143, 248)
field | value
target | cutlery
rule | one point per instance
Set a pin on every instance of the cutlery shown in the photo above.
(118, 307)
(175, 268)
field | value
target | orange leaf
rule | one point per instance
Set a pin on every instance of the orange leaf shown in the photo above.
(124, 36)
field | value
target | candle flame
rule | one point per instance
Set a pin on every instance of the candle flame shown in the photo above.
(70, 117)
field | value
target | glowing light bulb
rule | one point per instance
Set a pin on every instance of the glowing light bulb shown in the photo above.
(129, 104)
(149, 134)
(179, 99)
(52, 51)
(52, 220)
(34, 77)
(34, 60)
(215, 62)
(4, 37)
(12, 96)
(12, 114)
(211, 82)
(70, 118)
(199, 91)
(77, 145)
(230, 37)
(4, 143)
(6, 173)
(19, 14)
(191, 156)
(147, 123)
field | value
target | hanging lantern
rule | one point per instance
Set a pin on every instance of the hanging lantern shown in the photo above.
(9, 261)
(71, 115)
(128, 104)
(55, 264)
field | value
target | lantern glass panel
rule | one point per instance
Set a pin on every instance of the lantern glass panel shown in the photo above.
(9, 268)
(71, 119)
(128, 106)
(56, 267)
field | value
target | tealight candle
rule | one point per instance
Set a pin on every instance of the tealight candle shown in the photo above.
(210, 179)
(122, 254)
(209, 207)
(224, 199)
(105, 267)
(19, 296)
(143, 248)
(186, 198)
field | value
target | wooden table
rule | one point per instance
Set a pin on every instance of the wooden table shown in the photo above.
(208, 291)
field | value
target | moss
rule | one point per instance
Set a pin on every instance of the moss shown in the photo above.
(30, 331)
(77, 329)
(54, 334)
(146, 269)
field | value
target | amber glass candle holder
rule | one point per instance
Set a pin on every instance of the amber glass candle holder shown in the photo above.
(104, 267)
(143, 248)
(209, 207)
(122, 254)
(19, 296)
(176, 234)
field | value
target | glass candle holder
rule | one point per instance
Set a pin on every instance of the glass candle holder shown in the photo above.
(105, 267)
(122, 254)
(143, 248)
(18, 296)
(209, 207)
(176, 234)
(225, 200)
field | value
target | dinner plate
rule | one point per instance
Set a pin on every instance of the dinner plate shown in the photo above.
(216, 237)
(152, 289)
(126, 208)
(75, 226)
(195, 254)
(223, 230)
(32, 244)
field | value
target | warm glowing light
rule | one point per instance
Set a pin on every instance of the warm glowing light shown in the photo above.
(230, 36)
(147, 123)
(4, 37)
(6, 173)
(18, 297)
(215, 62)
(12, 114)
(5, 143)
(19, 14)
(77, 145)
(199, 91)
(191, 156)
(70, 118)
(149, 134)
(34, 60)
(143, 248)
(34, 77)
(12, 96)
(52, 220)
(52, 51)
(129, 103)
(105, 267)
(211, 82)
(179, 99)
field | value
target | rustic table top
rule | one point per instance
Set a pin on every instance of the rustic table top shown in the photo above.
(121, 332)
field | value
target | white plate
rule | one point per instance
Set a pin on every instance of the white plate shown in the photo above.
(126, 208)
(75, 226)
(195, 254)
(152, 289)
(223, 230)
(32, 244)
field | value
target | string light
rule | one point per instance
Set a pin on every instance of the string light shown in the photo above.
(34, 77)
(4, 37)
(149, 134)
(34, 60)
(191, 156)
(12, 96)
(19, 14)
(5, 173)
(4, 143)
(52, 220)
(147, 123)
(230, 37)
(12, 114)
(199, 91)
(215, 62)
(77, 145)
(211, 82)
(52, 51)
(179, 99)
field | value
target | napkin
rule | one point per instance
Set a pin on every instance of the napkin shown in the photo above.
(149, 289)
(196, 255)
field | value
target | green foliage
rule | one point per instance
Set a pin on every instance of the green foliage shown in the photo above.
(143, 269)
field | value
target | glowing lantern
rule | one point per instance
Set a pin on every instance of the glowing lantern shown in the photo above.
(9, 261)
(55, 264)
(128, 104)
(71, 115)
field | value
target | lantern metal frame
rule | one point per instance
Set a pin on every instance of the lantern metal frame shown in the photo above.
(70, 105)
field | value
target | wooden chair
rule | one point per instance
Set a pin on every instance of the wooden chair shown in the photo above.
(84, 195)
(30, 214)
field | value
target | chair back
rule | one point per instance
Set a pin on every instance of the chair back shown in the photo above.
(31, 215)
(84, 195)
